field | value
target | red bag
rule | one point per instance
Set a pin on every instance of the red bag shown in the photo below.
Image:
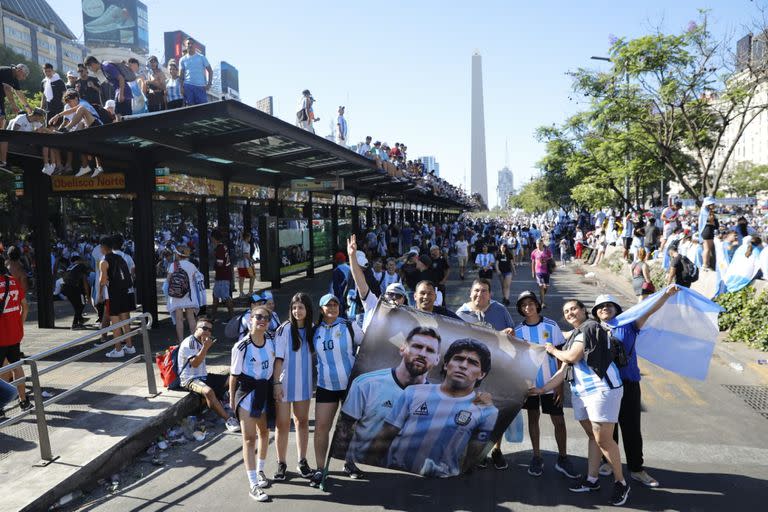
(167, 363)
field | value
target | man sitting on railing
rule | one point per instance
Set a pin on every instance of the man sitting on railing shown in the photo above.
(193, 374)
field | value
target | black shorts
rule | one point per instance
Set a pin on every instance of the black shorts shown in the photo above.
(708, 232)
(11, 352)
(627, 243)
(121, 303)
(547, 403)
(326, 396)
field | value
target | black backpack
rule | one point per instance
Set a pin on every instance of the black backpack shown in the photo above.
(690, 271)
(119, 274)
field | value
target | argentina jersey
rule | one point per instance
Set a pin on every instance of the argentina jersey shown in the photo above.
(388, 279)
(435, 430)
(297, 365)
(255, 362)
(546, 331)
(586, 382)
(371, 398)
(335, 348)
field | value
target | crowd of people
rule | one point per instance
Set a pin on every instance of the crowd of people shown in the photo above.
(100, 93)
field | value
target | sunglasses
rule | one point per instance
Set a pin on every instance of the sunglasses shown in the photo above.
(394, 296)
(205, 328)
(261, 317)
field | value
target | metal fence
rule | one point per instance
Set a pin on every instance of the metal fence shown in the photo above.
(35, 372)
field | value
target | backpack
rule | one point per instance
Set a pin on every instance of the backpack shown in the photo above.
(178, 283)
(124, 69)
(118, 273)
(301, 115)
(168, 364)
(71, 277)
(690, 271)
(615, 354)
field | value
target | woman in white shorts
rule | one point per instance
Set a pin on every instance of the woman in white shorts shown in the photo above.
(596, 391)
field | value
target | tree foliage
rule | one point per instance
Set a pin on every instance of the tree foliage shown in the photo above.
(671, 99)
(533, 197)
(748, 180)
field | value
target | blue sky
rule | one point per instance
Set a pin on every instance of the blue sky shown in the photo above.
(402, 68)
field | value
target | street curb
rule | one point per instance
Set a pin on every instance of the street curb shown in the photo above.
(120, 455)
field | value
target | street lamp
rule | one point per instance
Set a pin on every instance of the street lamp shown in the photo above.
(626, 178)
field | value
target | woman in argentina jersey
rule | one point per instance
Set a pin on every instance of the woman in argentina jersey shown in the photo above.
(596, 391)
(335, 342)
(293, 386)
(252, 365)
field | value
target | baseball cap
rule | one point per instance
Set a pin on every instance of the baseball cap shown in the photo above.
(72, 74)
(110, 103)
(604, 299)
(527, 295)
(396, 288)
(361, 259)
(340, 257)
(328, 297)
(257, 297)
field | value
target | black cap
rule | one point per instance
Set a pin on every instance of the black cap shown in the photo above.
(527, 295)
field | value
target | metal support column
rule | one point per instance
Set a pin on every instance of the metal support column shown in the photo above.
(308, 215)
(38, 186)
(335, 224)
(369, 216)
(202, 229)
(143, 234)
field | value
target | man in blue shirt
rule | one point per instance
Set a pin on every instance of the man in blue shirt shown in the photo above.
(192, 69)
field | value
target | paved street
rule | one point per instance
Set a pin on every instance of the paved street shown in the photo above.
(705, 445)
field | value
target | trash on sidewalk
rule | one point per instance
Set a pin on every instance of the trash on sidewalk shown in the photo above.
(46, 394)
(68, 498)
(736, 367)
(198, 435)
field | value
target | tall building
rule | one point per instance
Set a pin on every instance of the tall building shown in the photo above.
(33, 29)
(430, 164)
(478, 170)
(504, 187)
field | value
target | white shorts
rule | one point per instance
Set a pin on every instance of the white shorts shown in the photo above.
(669, 228)
(462, 260)
(600, 407)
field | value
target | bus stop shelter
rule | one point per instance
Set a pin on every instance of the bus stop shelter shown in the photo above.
(223, 150)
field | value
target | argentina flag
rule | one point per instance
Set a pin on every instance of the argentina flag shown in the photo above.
(743, 269)
(680, 336)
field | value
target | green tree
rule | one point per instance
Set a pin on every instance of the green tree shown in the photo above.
(533, 197)
(747, 179)
(682, 94)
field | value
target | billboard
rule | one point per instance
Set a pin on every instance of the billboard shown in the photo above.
(230, 80)
(174, 45)
(121, 23)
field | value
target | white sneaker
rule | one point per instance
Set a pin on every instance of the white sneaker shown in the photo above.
(97, 171)
(129, 350)
(605, 469)
(232, 425)
(49, 169)
(83, 171)
(115, 354)
(261, 480)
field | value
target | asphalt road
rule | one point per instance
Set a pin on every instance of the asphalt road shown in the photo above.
(705, 445)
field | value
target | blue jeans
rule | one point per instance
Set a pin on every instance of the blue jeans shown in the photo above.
(194, 95)
(7, 393)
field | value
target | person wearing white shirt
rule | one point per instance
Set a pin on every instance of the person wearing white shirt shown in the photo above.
(365, 147)
(341, 128)
(462, 254)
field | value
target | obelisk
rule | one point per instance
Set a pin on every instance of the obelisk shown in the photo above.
(478, 170)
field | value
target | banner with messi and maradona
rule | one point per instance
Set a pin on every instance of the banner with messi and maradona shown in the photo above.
(431, 395)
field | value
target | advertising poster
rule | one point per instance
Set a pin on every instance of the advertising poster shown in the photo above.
(116, 22)
(431, 395)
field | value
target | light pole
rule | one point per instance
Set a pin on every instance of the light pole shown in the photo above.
(626, 178)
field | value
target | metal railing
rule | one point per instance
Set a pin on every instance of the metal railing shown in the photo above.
(35, 373)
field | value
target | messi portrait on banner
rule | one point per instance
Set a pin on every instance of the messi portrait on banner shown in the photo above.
(429, 394)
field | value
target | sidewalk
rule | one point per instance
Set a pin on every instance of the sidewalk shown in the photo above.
(98, 430)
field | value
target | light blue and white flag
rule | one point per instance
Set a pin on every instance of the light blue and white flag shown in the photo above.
(680, 336)
(722, 262)
(703, 215)
(742, 269)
